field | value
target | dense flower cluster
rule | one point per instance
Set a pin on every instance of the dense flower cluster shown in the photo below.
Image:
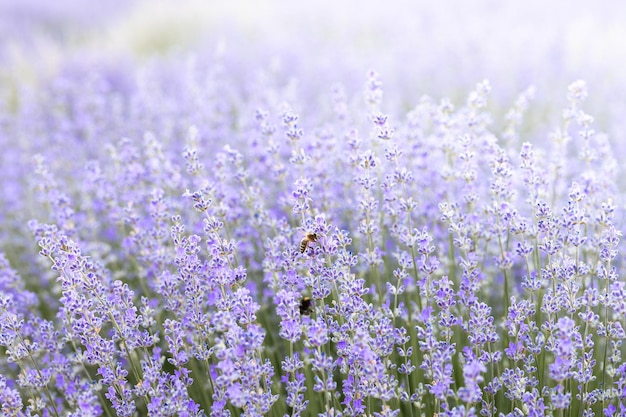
(154, 257)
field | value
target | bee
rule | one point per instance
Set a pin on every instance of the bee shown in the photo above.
(309, 238)
(305, 306)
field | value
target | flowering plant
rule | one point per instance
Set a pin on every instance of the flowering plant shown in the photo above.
(210, 244)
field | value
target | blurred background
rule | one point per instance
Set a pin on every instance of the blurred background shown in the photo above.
(432, 45)
(440, 48)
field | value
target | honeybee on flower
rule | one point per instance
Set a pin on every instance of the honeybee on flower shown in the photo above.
(308, 239)
(305, 306)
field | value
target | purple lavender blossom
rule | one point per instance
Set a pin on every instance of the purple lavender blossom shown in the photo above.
(467, 251)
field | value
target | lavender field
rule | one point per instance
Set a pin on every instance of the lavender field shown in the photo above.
(312, 209)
